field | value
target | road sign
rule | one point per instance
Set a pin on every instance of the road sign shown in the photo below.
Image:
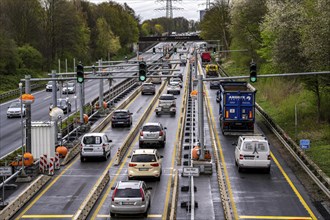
(304, 144)
(6, 171)
(190, 171)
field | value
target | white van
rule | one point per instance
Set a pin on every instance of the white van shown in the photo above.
(95, 145)
(252, 152)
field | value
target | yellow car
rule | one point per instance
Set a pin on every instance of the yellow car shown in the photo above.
(145, 163)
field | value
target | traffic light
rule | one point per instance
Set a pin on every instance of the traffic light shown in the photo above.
(175, 50)
(142, 71)
(214, 50)
(153, 50)
(80, 73)
(253, 72)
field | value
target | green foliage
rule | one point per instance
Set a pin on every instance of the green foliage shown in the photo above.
(31, 58)
(9, 58)
(157, 26)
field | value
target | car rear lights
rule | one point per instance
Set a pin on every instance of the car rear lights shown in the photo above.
(161, 133)
(142, 194)
(269, 157)
(241, 157)
(114, 194)
(141, 133)
(103, 146)
(132, 164)
(155, 164)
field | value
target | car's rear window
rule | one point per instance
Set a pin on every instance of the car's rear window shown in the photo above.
(127, 193)
(143, 158)
(121, 113)
(166, 98)
(255, 146)
(92, 140)
(151, 128)
(15, 105)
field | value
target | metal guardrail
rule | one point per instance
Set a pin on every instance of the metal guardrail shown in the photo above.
(11, 93)
(314, 172)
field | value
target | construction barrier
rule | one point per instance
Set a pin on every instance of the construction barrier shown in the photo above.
(57, 161)
(51, 166)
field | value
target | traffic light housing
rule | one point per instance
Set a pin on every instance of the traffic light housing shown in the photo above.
(80, 73)
(214, 50)
(153, 50)
(143, 69)
(253, 72)
(175, 50)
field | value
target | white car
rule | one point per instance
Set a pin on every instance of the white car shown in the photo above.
(95, 145)
(252, 152)
(145, 163)
(178, 80)
(173, 88)
(69, 88)
(49, 86)
(14, 110)
(155, 80)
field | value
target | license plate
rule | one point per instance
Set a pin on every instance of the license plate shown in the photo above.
(143, 169)
(238, 123)
(120, 122)
(249, 158)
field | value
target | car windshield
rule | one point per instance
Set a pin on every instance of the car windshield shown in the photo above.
(50, 83)
(151, 128)
(61, 102)
(166, 98)
(127, 193)
(15, 105)
(92, 140)
(255, 146)
(69, 85)
(143, 158)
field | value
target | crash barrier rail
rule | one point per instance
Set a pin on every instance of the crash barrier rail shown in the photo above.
(221, 178)
(13, 92)
(313, 170)
(174, 202)
(178, 145)
(183, 118)
(25, 196)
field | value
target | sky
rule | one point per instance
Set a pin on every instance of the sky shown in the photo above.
(146, 8)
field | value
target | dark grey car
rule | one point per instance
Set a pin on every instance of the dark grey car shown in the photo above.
(121, 117)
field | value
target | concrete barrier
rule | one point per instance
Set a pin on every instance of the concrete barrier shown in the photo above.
(174, 201)
(24, 197)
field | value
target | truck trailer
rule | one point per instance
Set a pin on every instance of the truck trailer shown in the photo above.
(206, 57)
(236, 107)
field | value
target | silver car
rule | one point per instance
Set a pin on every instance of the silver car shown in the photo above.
(152, 133)
(130, 197)
(69, 88)
(148, 88)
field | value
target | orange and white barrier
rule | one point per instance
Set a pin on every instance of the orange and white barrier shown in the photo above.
(57, 161)
(51, 166)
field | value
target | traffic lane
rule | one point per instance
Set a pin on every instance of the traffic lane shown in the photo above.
(83, 176)
(159, 188)
(256, 193)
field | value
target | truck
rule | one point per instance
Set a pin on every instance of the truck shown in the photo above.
(206, 57)
(211, 70)
(236, 107)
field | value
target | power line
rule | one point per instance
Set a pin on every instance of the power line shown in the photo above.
(169, 7)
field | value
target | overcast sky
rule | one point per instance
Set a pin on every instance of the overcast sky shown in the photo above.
(146, 8)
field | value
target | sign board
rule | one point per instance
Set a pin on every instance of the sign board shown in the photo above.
(304, 144)
(190, 171)
(171, 38)
(6, 171)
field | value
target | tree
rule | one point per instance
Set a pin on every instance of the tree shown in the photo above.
(30, 57)
(106, 42)
(8, 55)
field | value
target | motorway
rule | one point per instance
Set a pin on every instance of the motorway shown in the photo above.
(253, 194)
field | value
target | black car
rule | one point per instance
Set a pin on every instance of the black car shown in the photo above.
(64, 104)
(214, 84)
(121, 117)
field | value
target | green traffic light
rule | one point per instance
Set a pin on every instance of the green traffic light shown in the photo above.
(80, 80)
(253, 79)
(142, 78)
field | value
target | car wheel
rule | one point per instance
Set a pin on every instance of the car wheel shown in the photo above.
(163, 144)
(112, 214)
(140, 145)
(239, 169)
(112, 125)
(236, 163)
(145, 214)
(142, 93)
(82, 159)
